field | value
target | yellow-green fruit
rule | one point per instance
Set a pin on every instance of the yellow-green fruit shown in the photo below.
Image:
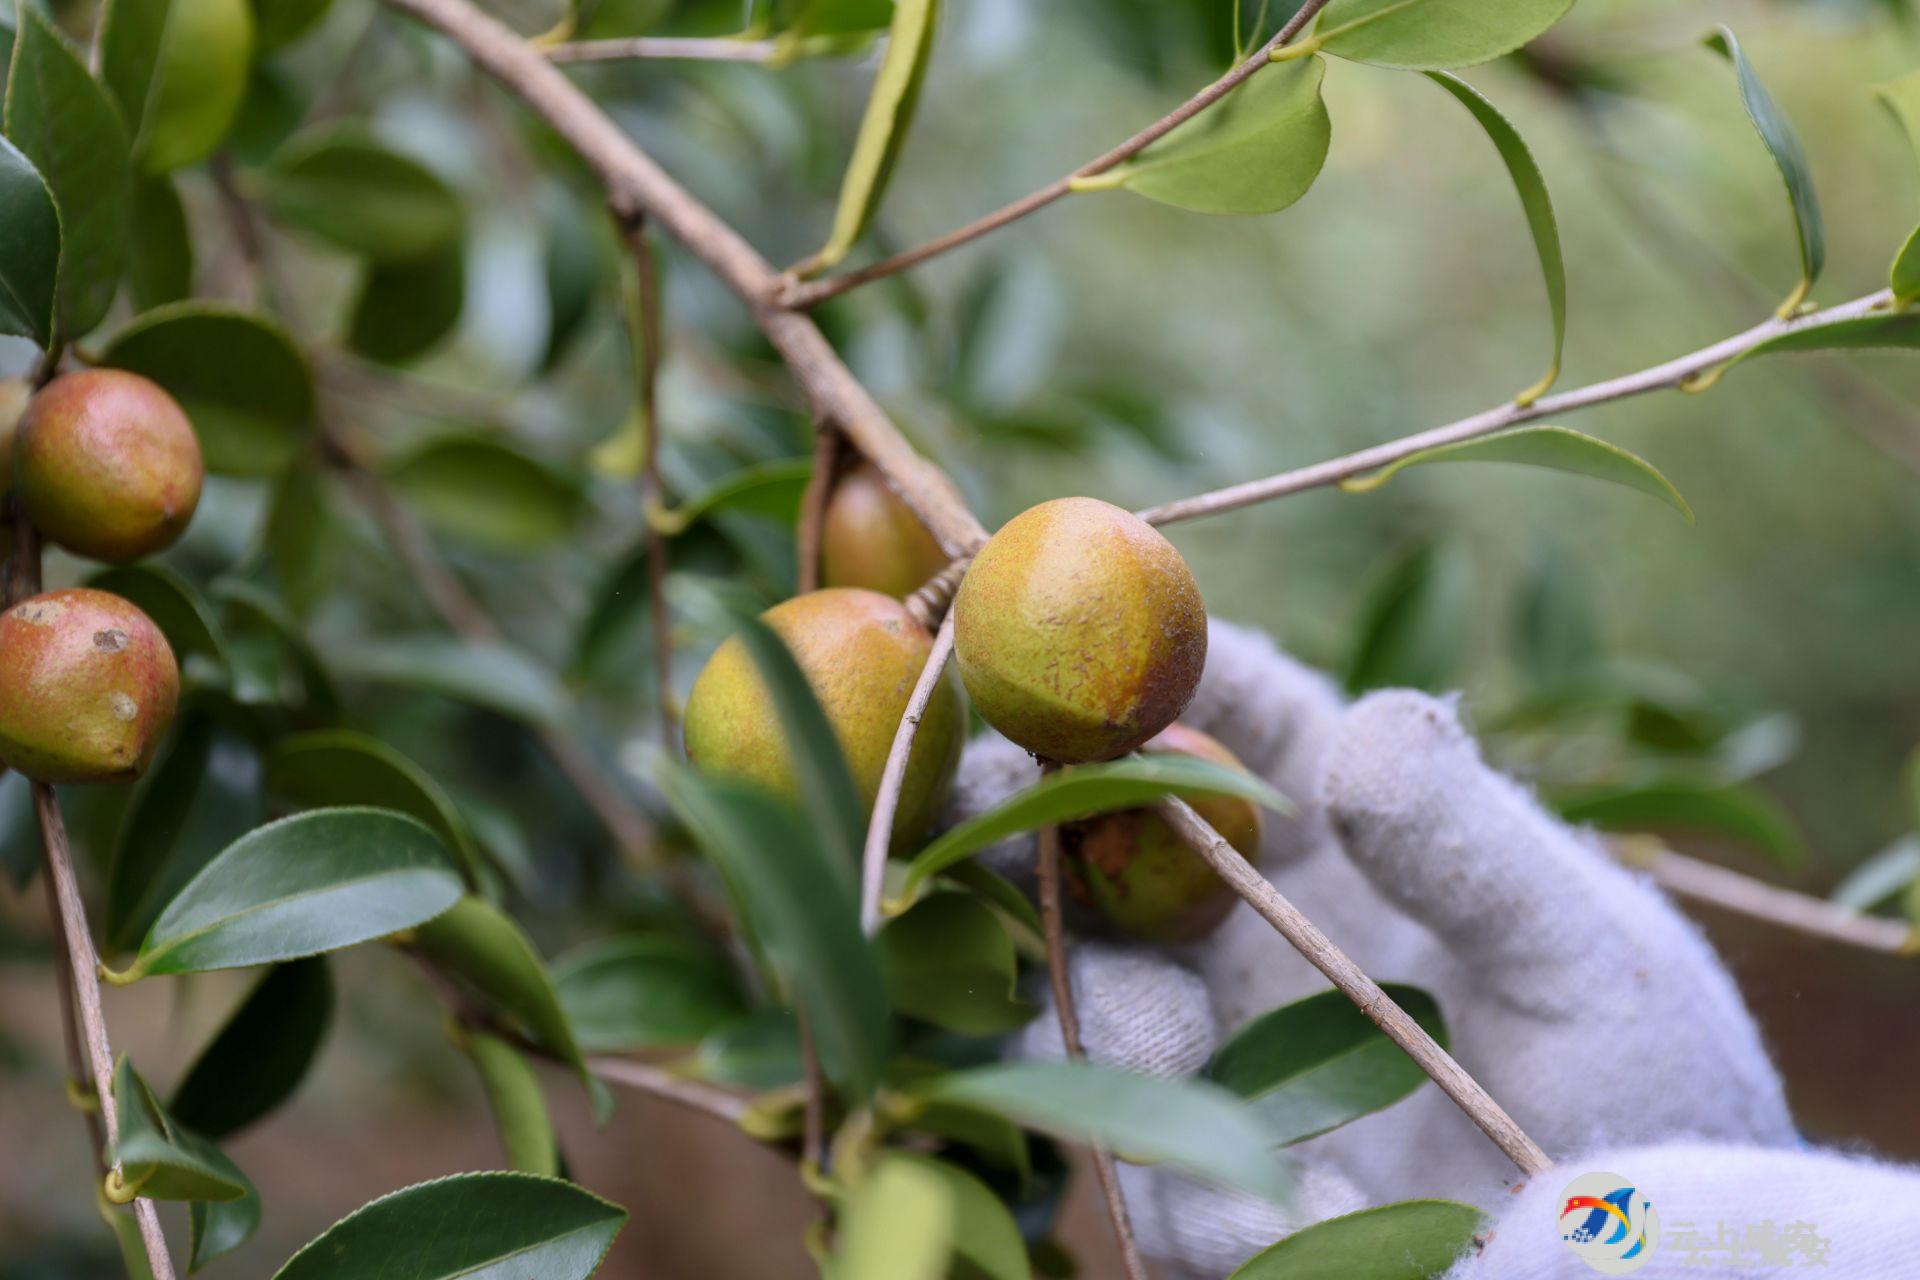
(107, 465)
(1135, 870)
(862, 653)
(870, 539)
(87, 687)
(1079, 631)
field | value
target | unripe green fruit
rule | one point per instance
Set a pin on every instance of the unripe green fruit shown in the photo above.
(862, 654)
(107, 465)
(871, 539)
(1138, 873)
(87, 687)
(1079, 631)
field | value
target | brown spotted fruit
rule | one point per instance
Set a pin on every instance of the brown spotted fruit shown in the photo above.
(871, 539)
(87, 687)
(1139, 875)
(862, 654)
(1079, 631)
(107, 465)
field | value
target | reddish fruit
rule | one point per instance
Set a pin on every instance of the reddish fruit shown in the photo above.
(1137, 873)
(107, 465)
(87, 687)
(1079, 631)
(862, 654)
(871, 539)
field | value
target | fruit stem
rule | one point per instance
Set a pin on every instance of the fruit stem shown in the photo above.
(929, 604)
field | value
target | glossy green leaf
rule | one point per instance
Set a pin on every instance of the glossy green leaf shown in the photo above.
(342, 185)
(799, 900)
(65, 124)
(1742, 813)
(1256, 151)
(300, 537)
(1413, 624)
(1776, 131)
(479, 945)
(1903, 277)
(1554, 448)
(949, 961)
(1317, 1063)
(1083, 790)
(281, 22)
(490, 674)
(161, 1158)
(469, 1225)
(884, 127)
(1902, 100)
(899, 1223)
(407, 307)
(1535, 203)
(1881, 878)
(254, 614)
(770, 489)
(160, 250)
(999, 892)
(236, 373)
(480, 489)
(333, 767)
(1194, 1126)
(216, 1227)
(1407, 1240)
(179, 70)
(311, 883)
(645, 991)
(29, 248)
(1431, 35)
(519, 1108)
(1897, 330)
(760, 1051)
(262, 1053)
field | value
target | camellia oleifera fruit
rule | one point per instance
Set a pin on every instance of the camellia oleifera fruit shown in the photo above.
(107, 465)
(862, 654)
(87, 687)
(871, 539)
(1136, 871)
(1079, 631)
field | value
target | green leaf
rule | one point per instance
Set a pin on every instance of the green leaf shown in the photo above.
(340, 184)
(469, 1225)
(1413, 624)
(1081, 791)
(1256, 151)
(800, 903)
(1739, 812)
(236, 373)
(1559, 632)
(986, 1240)
(332, 767)
(1881, 878)
(64, 123)
(1898, 330)
(1197, 1127)
(258, 613)
(1407, 1240)
(760, 1051)
(1904, 276)
(1317, 1063)
(578, 265)
(490, 674)
(160, 251)
(883, 129)
(645, 991)
(281, 22)
(179, 70)
(480, 945)
(406, 307)
(1535, 203)
(519, 1108)
(770, 489)
(307, 884)
(488, 492)
(159, 1157)
(898, 1224)
(172, 602)
(1430, 35)
(1902, 100)
(299, 537)
(1555, 448)
(218, 1227)
(262, 1053)
(29, 248)
(1776, 131)
(119, 1218)
(949, 961)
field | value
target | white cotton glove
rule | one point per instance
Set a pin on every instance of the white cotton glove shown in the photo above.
(1573, 991)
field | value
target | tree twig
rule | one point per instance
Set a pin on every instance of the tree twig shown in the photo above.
(813, 1116)
(1320, 951)
(813, 505)
(1053, 924)
(807, 295)
(886, 802)
(645, 320)
(698, 48)
(721, 1104)
(1661, 377)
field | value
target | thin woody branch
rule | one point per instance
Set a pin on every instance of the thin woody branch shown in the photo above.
(886, 803)
(647, 330)
(683, 48)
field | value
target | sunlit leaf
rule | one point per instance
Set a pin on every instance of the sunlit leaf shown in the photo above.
(1407, 1240)
(898, 1224)
(29, 248)
(1430, 35)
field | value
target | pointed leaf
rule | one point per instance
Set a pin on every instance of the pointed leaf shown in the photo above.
(771, 489)
(1554, 448)
(307, 884)
(472, 1224)
(644, 991)
(263, 1052)
(1881, 878)
(1898, 330)
(1413, 623)
(1902, 100)
(949, 961)
(1408, 1240)
(340, 184)
(519, 1109)
(490, 674)
(162, 1159)
(29, 248)
(1740, 812)
(216, 1227)
(1776, 131)
(1429, 35)
(179, 70)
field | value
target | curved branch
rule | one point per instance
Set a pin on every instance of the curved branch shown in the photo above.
(704, 49)
(873, 863)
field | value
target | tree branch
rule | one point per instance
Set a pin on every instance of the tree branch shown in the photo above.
(886, 802)
(1686, 370)
(1320, 951)
(808, 295)
(709, 1099)
(813, 506)
(707, 49)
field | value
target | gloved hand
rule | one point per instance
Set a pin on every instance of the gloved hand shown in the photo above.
(1574, 992)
